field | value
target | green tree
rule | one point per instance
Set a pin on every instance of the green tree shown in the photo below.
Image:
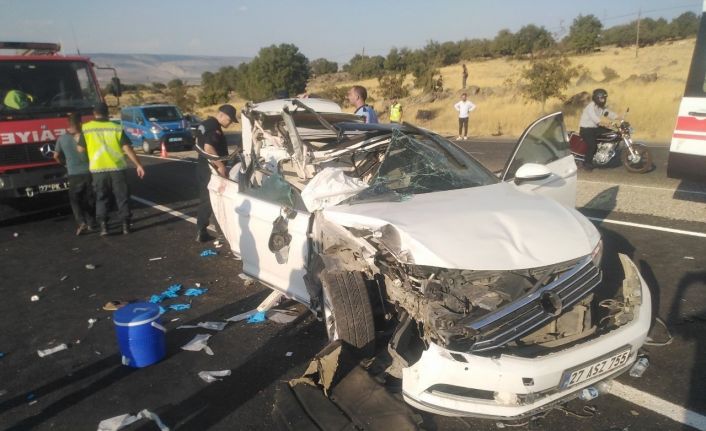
(504, 43)
(584, 33)
(276, 69)
(395, 60)
(685, 25)
(177, 93)
(532, 39)
(321, 66)
(363, 66)
(392, 85)
(545, 78)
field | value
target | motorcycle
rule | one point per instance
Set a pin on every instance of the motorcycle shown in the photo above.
(635, 157)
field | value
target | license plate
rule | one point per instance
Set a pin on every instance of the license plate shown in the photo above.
(594, 369)
(174, 139)
(57, 187)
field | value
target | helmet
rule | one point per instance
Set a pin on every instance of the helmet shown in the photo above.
(599, 97)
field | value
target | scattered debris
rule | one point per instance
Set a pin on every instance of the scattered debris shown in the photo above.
(258, 317)
(272, 300)
(119, 422)
(97, 352)
(51, 351)
(76, 288)
(288, 354)
(15, 234)
(91, 321)
(215, 326)
(179, 307)
(199, 343)
(63, 277)
(175, 319)
(75, 249)
(90, 266)
(634, 413)
(208, 252)
(247, 280)
(41, 288)
(689, 257)
(639, 367)
(34, 298)
(197, 284)
(242, 316)
(114, 305)
(171, 292)
(212, 376)
(195, 291)
(152, 259)
(33, 402)
(282, 316)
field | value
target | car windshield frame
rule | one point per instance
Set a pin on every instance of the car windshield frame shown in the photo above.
(417, 162)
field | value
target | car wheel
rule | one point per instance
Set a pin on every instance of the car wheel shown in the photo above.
(146, 147)
(348, 314)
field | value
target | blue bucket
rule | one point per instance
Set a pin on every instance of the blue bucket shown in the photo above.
(141, 338)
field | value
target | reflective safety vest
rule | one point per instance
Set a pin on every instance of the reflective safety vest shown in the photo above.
(395, 112)
(16, 99)
(103, 146)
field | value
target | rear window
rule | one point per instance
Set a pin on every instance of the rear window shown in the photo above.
(162, 113)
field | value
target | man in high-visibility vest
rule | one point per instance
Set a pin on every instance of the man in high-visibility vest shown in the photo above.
(107, 146)
(395, 111)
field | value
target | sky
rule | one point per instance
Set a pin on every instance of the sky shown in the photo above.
(332, 29)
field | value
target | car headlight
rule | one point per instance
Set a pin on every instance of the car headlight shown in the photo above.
(154, 130)
(597, 253)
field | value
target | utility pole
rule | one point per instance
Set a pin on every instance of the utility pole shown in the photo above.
(637, 37)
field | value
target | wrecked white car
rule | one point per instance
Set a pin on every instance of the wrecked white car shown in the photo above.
(491, 282)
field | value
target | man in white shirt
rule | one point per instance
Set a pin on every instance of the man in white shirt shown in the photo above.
(463, 107)
(590, 124)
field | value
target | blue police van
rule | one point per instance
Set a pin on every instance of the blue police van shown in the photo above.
(149, 126)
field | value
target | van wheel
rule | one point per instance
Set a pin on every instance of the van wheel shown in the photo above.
(348, 314)
(146, 147)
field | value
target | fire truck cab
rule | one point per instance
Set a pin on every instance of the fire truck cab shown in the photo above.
(39, 88)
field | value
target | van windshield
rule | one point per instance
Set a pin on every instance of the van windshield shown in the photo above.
(163, 113)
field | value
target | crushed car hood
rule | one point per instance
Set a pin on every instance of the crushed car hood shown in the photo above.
(493, 227)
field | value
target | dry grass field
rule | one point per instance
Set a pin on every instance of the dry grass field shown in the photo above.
(501, 111)
(653, 104)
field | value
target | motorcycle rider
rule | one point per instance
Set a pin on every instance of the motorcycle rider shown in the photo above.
(590, 124)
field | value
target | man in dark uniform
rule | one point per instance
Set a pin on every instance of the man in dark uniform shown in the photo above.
(211, 139)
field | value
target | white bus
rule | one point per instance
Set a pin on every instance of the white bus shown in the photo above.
(687, 152)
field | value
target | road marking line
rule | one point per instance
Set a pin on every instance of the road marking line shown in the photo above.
(696, 192)
(650, 227)
(658, 405)
(167, 158)
(168, 210)
(627, 393)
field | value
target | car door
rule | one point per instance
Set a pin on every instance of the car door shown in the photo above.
(546, 143)
(247, 217)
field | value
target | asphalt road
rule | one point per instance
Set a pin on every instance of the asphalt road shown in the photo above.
(75, 389)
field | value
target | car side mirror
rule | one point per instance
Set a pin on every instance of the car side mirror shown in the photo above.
(116, 89)
(531, 172)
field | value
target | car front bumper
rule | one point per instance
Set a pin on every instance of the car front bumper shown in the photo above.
(511, 387)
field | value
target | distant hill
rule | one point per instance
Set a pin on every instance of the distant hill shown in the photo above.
(146, 68)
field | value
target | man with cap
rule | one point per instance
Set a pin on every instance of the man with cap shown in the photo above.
(106, 146)
(210, 139)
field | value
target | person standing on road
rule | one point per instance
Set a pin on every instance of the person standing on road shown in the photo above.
(590, 124)
(210, 139)
(464, 76)
(356, 96)
(463, 107)
(106, 146)
(395, 111)
(81, 194)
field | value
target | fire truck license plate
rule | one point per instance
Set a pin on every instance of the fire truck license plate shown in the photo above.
(601, 366)
(57, 187)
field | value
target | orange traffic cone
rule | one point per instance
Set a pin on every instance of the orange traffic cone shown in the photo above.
(164, 154)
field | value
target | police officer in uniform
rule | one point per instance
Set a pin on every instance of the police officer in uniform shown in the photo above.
(211, 139)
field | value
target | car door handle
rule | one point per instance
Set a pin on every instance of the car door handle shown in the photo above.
(697, 114)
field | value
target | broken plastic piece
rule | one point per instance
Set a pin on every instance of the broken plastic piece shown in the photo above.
(195, 291)
(208, 252)
(288, 354)
(215, 326)
(152, 259)
(119, 422)
(41, 288)
(242, 316)
(34, 298)
(63, 277)
(639, 367)
(91, 321)
(198, 343)
(282, 316)
(247, 280)
(258, 317)
(51, 351)
(90, 266)
(212, 376)
(179, 307)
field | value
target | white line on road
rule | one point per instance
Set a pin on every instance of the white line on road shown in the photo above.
(176, 159)
(650, 227)
(168, 210)
(696, 192)
(658, 405)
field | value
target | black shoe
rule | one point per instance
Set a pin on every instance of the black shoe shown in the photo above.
(126, 228)
(203, 236)
(104, 229)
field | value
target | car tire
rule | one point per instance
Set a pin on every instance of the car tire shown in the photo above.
(348, 315)
(146, 147)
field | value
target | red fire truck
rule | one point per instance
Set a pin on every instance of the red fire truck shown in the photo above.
(39, 88)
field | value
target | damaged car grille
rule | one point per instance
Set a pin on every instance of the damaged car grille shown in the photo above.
(535, 309)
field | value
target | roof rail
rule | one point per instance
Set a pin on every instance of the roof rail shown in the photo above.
(32, 48)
